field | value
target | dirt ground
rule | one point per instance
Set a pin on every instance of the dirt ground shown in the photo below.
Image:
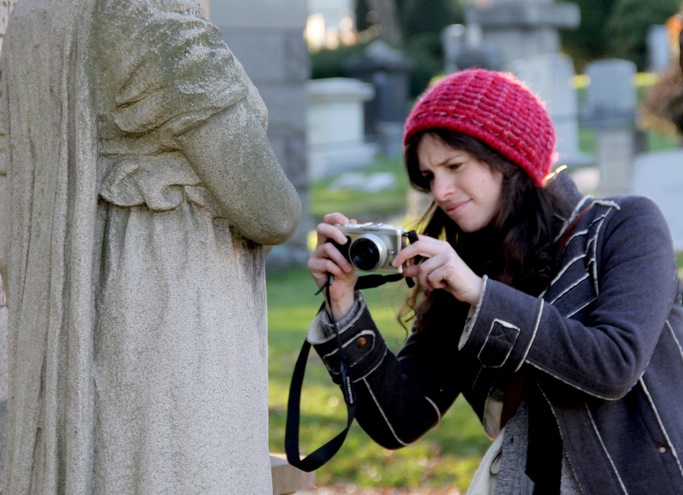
(353, 490)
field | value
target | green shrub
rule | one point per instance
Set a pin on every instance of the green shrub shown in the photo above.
(628, 25)
(330, 63)
(588, 41)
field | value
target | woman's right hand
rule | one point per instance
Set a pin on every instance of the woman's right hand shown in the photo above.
(326, 261)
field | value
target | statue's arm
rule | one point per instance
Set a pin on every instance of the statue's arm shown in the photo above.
(231, 154)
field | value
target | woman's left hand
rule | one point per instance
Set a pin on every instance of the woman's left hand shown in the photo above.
(441, 268)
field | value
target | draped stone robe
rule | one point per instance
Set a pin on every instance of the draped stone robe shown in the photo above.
(140, 191)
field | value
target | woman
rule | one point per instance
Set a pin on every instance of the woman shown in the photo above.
(558, 316)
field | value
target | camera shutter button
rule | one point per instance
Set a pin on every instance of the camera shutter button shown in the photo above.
(361, 342)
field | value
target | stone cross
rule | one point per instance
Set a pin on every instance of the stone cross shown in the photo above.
(522, 28)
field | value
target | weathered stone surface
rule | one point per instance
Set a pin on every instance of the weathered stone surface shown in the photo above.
(142, 188)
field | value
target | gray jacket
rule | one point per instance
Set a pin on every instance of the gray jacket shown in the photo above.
(603, 346)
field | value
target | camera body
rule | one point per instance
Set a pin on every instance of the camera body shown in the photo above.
(371, 247)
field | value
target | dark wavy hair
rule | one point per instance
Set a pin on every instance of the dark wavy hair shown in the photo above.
(518, 246)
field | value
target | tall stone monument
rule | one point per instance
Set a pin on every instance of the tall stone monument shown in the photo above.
(141, 193)
(526, 34)
(522, 28)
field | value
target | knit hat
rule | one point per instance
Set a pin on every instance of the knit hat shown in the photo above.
(495, 108)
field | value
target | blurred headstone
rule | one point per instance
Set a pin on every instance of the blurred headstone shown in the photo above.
(611, 96)
(658, 49)
(388, 70)
(550, 77)
(453, 41)
(658, 176)
(335, 132)
(611, 111)
(522, 28)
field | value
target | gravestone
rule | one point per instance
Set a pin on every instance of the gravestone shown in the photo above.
(522, 28)
(550, 77)
(658, 176)
(387, 69)
(611, 96)
(658, 48)
(464, 49)
(335, 131)
(611, 111)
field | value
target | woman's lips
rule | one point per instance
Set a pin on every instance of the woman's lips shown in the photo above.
(454, 207)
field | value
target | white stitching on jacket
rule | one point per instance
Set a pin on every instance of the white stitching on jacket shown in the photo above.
(672, 449)
(372, 369)
(571, 218)
(568, 289)
(572, 384)
(673, 336)
(604, 448)
(386, 420)
(469, 324)
(533, 335)
(576, 310)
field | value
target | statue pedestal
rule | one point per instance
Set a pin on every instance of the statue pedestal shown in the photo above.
(288, 479)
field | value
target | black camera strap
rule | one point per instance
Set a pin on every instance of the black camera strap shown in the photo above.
(324, 453)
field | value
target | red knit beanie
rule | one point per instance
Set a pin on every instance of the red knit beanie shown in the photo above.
(495, 108)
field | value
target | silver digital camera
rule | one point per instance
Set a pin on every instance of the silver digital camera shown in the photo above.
(371, 247)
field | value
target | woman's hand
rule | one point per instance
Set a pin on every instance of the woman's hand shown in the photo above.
(326, 261)
(441, 268)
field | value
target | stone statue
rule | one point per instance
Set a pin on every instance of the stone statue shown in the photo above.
(140, 193)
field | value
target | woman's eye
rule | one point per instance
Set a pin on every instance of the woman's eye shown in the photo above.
(454, 166)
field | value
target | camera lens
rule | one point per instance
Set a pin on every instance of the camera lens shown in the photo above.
(367, 252)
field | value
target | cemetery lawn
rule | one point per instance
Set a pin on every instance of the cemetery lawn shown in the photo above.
(327, 195)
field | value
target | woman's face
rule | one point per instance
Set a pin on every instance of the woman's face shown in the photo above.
(465, 188)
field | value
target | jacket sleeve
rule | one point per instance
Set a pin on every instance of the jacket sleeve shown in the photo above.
(605, 351)
(399, 396)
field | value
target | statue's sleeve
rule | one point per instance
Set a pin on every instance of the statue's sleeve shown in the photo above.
(170, 66)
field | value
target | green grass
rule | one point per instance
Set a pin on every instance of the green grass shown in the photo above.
(357, 204)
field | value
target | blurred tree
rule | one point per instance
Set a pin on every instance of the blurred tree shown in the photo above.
(419, 17)
(423, 22)
(420, 23)
(588, 41)
(628, 25)
(364, 20)
(380, 19)
(662, 107)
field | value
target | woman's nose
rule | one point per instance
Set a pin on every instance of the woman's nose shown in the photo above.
(440, 188)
